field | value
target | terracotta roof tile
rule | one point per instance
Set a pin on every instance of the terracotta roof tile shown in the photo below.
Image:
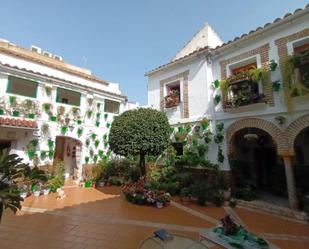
(18, 122)
(230, 41)
(56, 78)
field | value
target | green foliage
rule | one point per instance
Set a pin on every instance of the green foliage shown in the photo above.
(139, 132)
(216, 84)
(220, 155)
(80, 131)
(273, 65)
(57, 177)
(48, 91)
(63, 130)
(217, 99)
(13, 173)
(276, 85)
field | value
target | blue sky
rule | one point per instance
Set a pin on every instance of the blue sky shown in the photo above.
(121, 40)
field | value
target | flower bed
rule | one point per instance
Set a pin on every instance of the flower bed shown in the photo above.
(139, 193)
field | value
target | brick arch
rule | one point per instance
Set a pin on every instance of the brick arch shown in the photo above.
(295, 128)
(275, 133)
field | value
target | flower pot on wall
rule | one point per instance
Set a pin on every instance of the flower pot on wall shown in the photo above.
(1, 112)
(37, 193)
(31, 115)
(53, 118)
(15, 113)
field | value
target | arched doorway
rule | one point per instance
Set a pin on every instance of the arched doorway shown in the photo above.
(259, 172)
(301, 165)
(69, 150)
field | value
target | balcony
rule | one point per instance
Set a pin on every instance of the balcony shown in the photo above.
(241, 90)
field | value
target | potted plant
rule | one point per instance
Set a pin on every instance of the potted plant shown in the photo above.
(79, 122)
(79, 131)
(217, 99)
(108, 125)
(53, 118)
(105, 115)
(96, 143)
(89, 114)
(23, 191)
(64, 130)
(1, 111)
(46, 189)
(185, 196)
(205, 123)
(97, 123)
(15, 113)
(35, 188)
(48, 91)
(31, 115)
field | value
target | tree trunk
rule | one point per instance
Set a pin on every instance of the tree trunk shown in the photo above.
(142, 164)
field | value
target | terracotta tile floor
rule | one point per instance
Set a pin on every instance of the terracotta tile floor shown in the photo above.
(91, 218)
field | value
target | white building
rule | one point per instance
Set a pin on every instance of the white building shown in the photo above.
(277, 118)
(53, 110)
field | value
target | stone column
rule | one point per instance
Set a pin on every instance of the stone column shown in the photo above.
(293, 201)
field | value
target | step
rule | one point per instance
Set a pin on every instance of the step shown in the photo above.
(274, 209)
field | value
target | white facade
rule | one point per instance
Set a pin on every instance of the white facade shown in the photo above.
(75, 123)
(204, 68)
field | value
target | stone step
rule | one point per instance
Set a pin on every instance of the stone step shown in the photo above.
(274, 209)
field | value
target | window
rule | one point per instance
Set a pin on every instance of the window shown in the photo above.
(22, 87)
(111, 106)
(69, 97)
(173, 95)
(302, 74)
(242, 90)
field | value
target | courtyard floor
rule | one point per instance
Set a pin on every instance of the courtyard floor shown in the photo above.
(91, 218)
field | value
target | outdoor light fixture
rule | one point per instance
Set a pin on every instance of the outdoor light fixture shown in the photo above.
(251, 136)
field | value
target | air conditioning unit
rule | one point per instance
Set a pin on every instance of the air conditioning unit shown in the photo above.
(48, 54)
(58, 57)
(36, 49)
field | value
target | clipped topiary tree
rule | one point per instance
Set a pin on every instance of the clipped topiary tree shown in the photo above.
(140, 132)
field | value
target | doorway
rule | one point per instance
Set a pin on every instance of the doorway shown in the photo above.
(69, 151)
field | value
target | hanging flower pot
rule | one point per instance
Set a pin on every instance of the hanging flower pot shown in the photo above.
(79, 132)
(46, 107)
(93, 136)
(51, 154)
(16, 113)
(87, 142)
(89, 114)
(1, 112)
(108, 125)
(34, 142)
(50, 143)
(31, 115)
(87, 159)
(105, 115)
(79, 122)
(96, 143)
(53, 118)
(43, 155)
(97, 123)
(64, 130)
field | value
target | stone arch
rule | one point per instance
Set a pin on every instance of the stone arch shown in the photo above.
(276, 134)
(294, 129)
